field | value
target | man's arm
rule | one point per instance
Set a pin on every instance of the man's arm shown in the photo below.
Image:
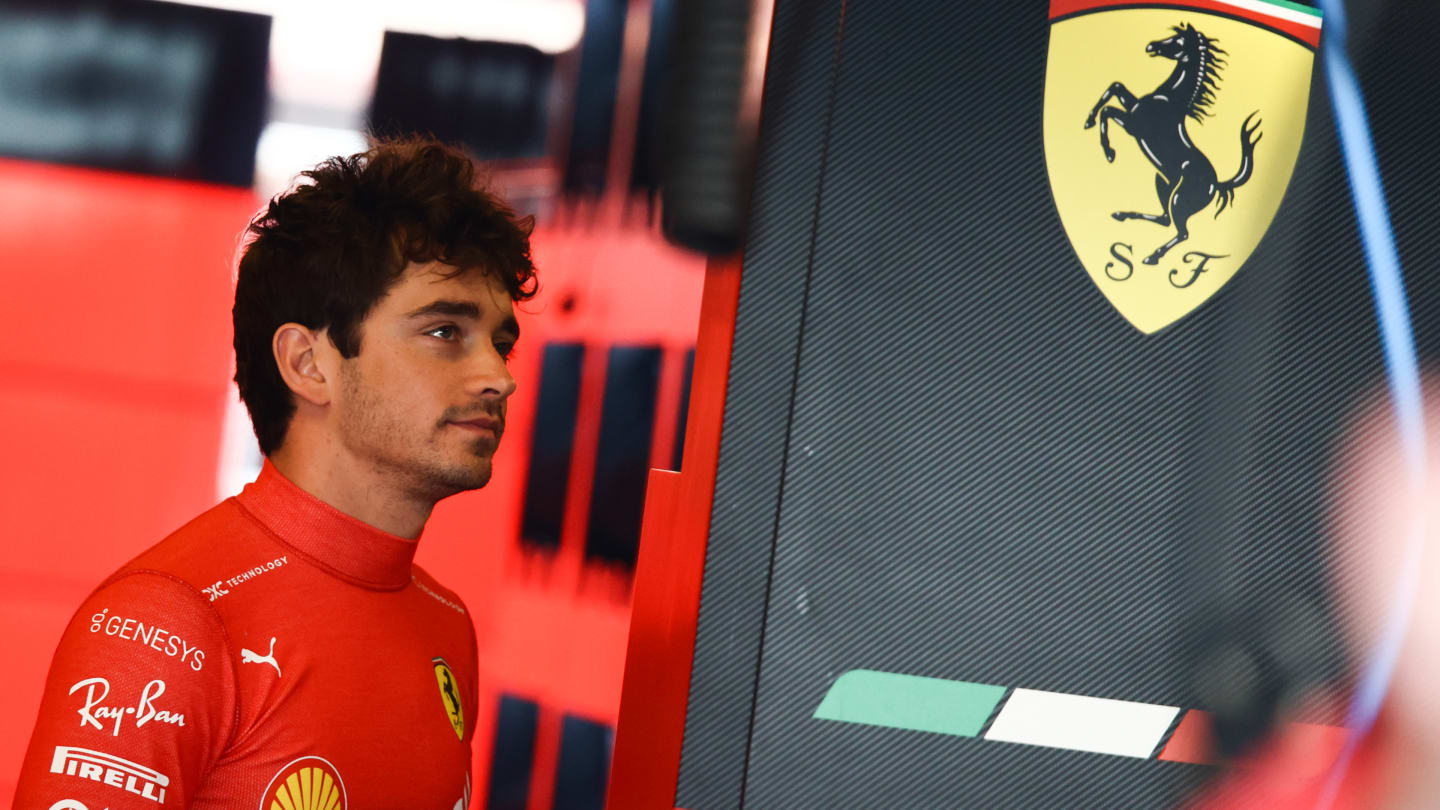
(139, 703)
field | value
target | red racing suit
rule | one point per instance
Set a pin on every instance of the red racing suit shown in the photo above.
(273, 652)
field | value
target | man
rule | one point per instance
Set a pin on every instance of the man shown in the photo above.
(282, 650)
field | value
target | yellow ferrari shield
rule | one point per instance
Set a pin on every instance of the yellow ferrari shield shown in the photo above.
(450, 696)
(1170, 136)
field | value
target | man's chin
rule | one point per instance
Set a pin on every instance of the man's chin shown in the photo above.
(462, 478)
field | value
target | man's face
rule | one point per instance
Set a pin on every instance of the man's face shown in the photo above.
(425, 399)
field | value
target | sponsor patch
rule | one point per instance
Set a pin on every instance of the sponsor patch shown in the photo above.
(307, 783)
(248, 656)
(95, 713)
(437, 597)
(222, 587)
(462, 803)
(149, 635)
(98, 766)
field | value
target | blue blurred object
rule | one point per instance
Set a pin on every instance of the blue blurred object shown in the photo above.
(1402, 366)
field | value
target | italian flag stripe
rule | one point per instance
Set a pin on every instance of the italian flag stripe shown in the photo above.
(1049, 719)
(1080, 723)
(1292, 19)
(1294, 12)
(910, 702)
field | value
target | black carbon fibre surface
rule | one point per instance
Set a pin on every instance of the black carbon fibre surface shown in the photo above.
(767, 330)
(989, 475)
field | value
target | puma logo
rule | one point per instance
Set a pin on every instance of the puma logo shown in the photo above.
(252, 657)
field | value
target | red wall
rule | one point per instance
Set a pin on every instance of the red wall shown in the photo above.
(115, 360)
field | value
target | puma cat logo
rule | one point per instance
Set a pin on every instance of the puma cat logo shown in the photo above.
(251, 657)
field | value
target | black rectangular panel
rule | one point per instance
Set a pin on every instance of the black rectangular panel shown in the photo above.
(514, 754)
(580, 777)
(552, 444)
(622, 460)
(492, 96)
(645, 171)
(595, 94)
(678, 456)
(156, 88)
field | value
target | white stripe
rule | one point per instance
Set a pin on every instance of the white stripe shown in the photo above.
(1271, 10)
(1082, 723)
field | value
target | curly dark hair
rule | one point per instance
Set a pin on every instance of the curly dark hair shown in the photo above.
(325, 252)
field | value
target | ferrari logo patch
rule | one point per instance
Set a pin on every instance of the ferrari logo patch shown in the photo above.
(1171, 133)
(450, 696)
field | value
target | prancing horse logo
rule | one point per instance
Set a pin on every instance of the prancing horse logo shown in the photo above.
(1184, 121)
(449, 696)
(1186, 180)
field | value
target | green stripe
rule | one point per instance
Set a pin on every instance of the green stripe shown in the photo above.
(910, 702)
(1313, 12)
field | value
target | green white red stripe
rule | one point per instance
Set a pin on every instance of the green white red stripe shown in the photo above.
(1036, 717)
(1292, 12)
(1294, 20)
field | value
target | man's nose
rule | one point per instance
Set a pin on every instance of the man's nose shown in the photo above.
(489, 376)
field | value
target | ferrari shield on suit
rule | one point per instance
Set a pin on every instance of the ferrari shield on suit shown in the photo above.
(449, 696)
(1171, 132)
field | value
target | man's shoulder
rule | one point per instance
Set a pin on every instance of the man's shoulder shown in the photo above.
(216, 544)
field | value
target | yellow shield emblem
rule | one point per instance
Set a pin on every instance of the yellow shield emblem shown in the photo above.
(1170, 137)
(450, 696)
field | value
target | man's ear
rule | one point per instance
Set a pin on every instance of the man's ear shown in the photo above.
(307, 361)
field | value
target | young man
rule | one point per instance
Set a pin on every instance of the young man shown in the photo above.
(282, 650)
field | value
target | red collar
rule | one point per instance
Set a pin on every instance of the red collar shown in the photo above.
(347, 547)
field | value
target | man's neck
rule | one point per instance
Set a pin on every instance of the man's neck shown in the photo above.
(357, 490)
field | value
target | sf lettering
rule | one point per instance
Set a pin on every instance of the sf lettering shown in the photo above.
(1192, 265)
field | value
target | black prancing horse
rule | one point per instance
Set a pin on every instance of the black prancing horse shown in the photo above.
(1185, 181)
(453, 704)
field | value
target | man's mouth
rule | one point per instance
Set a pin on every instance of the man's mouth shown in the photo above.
(481, 425)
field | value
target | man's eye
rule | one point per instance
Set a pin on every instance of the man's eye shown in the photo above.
(450, 329)
(506, 350)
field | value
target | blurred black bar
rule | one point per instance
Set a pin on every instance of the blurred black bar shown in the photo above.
(678, 455)
(595, 93)
(514, 754)
(147, 87)
(622, 461)
(584, 764)
(552, 444)
(491, 96)
(705, 157)
(645, 170)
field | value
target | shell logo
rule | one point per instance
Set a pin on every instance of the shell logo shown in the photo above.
(307, 783)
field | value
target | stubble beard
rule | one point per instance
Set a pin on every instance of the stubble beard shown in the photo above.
(390, 440)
